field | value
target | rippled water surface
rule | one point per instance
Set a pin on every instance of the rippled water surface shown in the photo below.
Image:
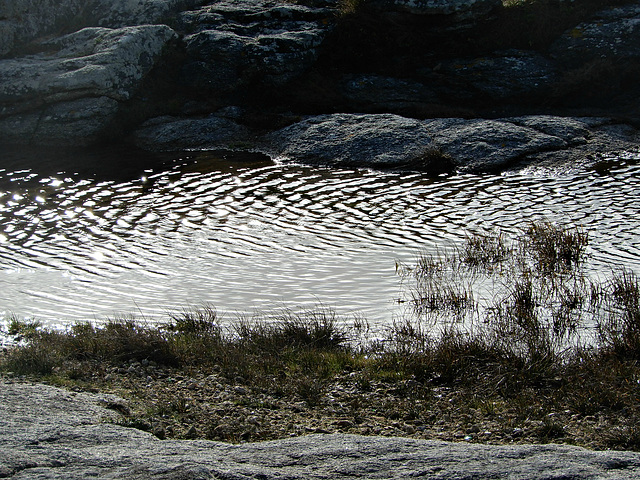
(76, 244)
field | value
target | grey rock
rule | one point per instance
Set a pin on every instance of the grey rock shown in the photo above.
(232, 43)
(77, 122)
(613, 34)
(76, 82)
(91, 62)
(574, 131)
(480, 144)
(24, 20)
(348, 140)
(494, 145)
(605, 138)
(175, 134)
(447, 144)
(48, 433)
(504, 75)
(375, 93)
(122, 13)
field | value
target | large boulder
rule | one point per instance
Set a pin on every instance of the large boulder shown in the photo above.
(348, 140)
(99, 66)
(234, 43)
(91, 62)
(74, 122)
(122, 13)
(24, 20)
(444, 145)
(613, 34)
(481, 144)
(500, 144)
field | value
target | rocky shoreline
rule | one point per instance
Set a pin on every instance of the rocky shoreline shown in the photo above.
(47, 432)
(324, 81)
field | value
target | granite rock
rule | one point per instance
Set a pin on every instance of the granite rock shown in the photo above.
(49, 433)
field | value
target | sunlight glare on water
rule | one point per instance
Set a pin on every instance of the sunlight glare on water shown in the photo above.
(247, 237)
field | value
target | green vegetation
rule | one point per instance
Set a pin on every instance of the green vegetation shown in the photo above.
(507, 340)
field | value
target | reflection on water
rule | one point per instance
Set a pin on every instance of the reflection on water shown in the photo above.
(246, 235)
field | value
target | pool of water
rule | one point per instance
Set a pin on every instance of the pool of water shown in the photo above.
(114, 234)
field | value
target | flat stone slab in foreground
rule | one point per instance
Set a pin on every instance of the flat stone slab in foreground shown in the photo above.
(48, 433)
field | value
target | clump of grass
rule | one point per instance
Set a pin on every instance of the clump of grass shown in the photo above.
(290, 344)
(319, 329)
(619, 326)
(485, 251)
(526, 298)
(21, 329)
(199, 322)
(555, 249)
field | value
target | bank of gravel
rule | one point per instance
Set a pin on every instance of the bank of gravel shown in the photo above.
(48, 432)
(195, 403)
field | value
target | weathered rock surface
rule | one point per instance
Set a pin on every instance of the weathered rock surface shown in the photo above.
(460, 9)
(174, 134)
(232, 43)
(65, 123)
(92, 66)
(22, 21)
(122, 13)
(391, 141)
(377, 93)
(503, 75)
(82, 72)
(354, 140)
(613, 34)
(89, 63)
(49, 433)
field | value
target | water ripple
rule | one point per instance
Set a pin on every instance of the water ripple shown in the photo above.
(257, 237)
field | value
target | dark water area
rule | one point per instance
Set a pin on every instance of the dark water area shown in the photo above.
(97, 234)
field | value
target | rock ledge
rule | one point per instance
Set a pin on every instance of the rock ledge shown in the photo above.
(49, 433)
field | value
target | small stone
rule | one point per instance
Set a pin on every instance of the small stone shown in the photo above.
(344, 424)
(240, 390)
(473, 429)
